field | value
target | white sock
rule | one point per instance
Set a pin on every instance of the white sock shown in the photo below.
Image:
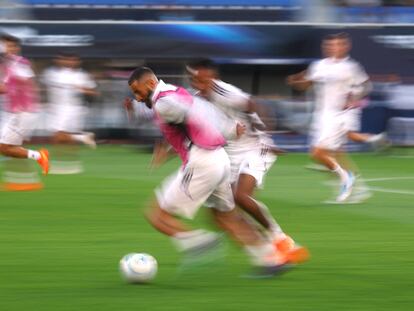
(342, 174)
(34, 155)
(262, 255)
(82, 138)
(189, 239)
(276, 231)
(375, 138)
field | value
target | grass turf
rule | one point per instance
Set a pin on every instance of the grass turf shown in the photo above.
(60, 247)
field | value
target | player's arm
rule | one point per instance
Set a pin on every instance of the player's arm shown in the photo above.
(88, 85)
(361, 87)
(162, 152)
(137, 111)
(299, 81)
(129, 108)
(241, 101)
(89, 91)
(355, 99)
(258, 113)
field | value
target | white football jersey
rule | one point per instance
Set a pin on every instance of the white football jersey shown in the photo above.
(334, 80)
(235, 104)
(64, 85)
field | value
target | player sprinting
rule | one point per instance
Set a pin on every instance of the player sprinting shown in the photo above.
(203, 176)
(251, 155)
(20, 94)
(66, 84)
(340, 83)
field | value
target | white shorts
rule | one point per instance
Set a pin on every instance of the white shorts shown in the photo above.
(256, 163)
(353, 120)
(329, 133)
(17, 127)
(67, 118)
(206, 177)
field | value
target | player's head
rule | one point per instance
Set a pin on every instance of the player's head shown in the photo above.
(11, 44)
(202, 73)
(68, 60)
(336, 45)
(142, 83)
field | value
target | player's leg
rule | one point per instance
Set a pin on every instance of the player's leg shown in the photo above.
(62, 137)
(164, 222)
(353, 125)
(13, 133)
(243, 195)
(68, 122)
(19, 152)
(260, 250)
(361, 191)
(346, 177)
(244, 183)
(181, 195)
(377, 141)
(251, 176)
(359, 137)
(331, 136)
(327, 158)
(183, 237)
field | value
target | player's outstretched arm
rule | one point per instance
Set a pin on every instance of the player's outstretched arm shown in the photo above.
(129, 108)
(162, 152)
(259, 116)
(356, 98)
(89, 91)
(299, 81)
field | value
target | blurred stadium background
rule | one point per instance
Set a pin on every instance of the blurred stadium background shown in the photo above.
(257, 43)
(59, 247)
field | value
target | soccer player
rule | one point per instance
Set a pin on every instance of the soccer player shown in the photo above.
(20, 104)
(66, 85)
(340, 83)
(251, 155)
(203, 176)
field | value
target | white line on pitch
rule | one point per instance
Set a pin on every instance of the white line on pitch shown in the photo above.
(387, 178)
(391, 190)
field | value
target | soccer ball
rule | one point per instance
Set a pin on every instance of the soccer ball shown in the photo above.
(138, 267)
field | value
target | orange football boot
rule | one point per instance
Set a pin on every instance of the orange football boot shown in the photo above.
(294, 253)
(44, 161)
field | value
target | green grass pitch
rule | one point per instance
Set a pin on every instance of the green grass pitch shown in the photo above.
(60, 247)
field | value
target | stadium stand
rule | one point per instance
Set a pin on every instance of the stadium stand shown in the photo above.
(283, 3)
(187, 10)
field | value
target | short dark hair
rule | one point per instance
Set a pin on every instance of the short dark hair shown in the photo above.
(9, 38)
(138, 74)
(203, 63)
(339, 35)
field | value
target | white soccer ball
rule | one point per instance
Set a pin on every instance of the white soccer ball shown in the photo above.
(138, 267)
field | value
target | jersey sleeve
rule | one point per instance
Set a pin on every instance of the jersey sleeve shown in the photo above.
(311, 72)
(170, 110)
(228, 96)
(87, 81)
(142, 112)
(359, 86)
(359, 75)
(23, 71)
